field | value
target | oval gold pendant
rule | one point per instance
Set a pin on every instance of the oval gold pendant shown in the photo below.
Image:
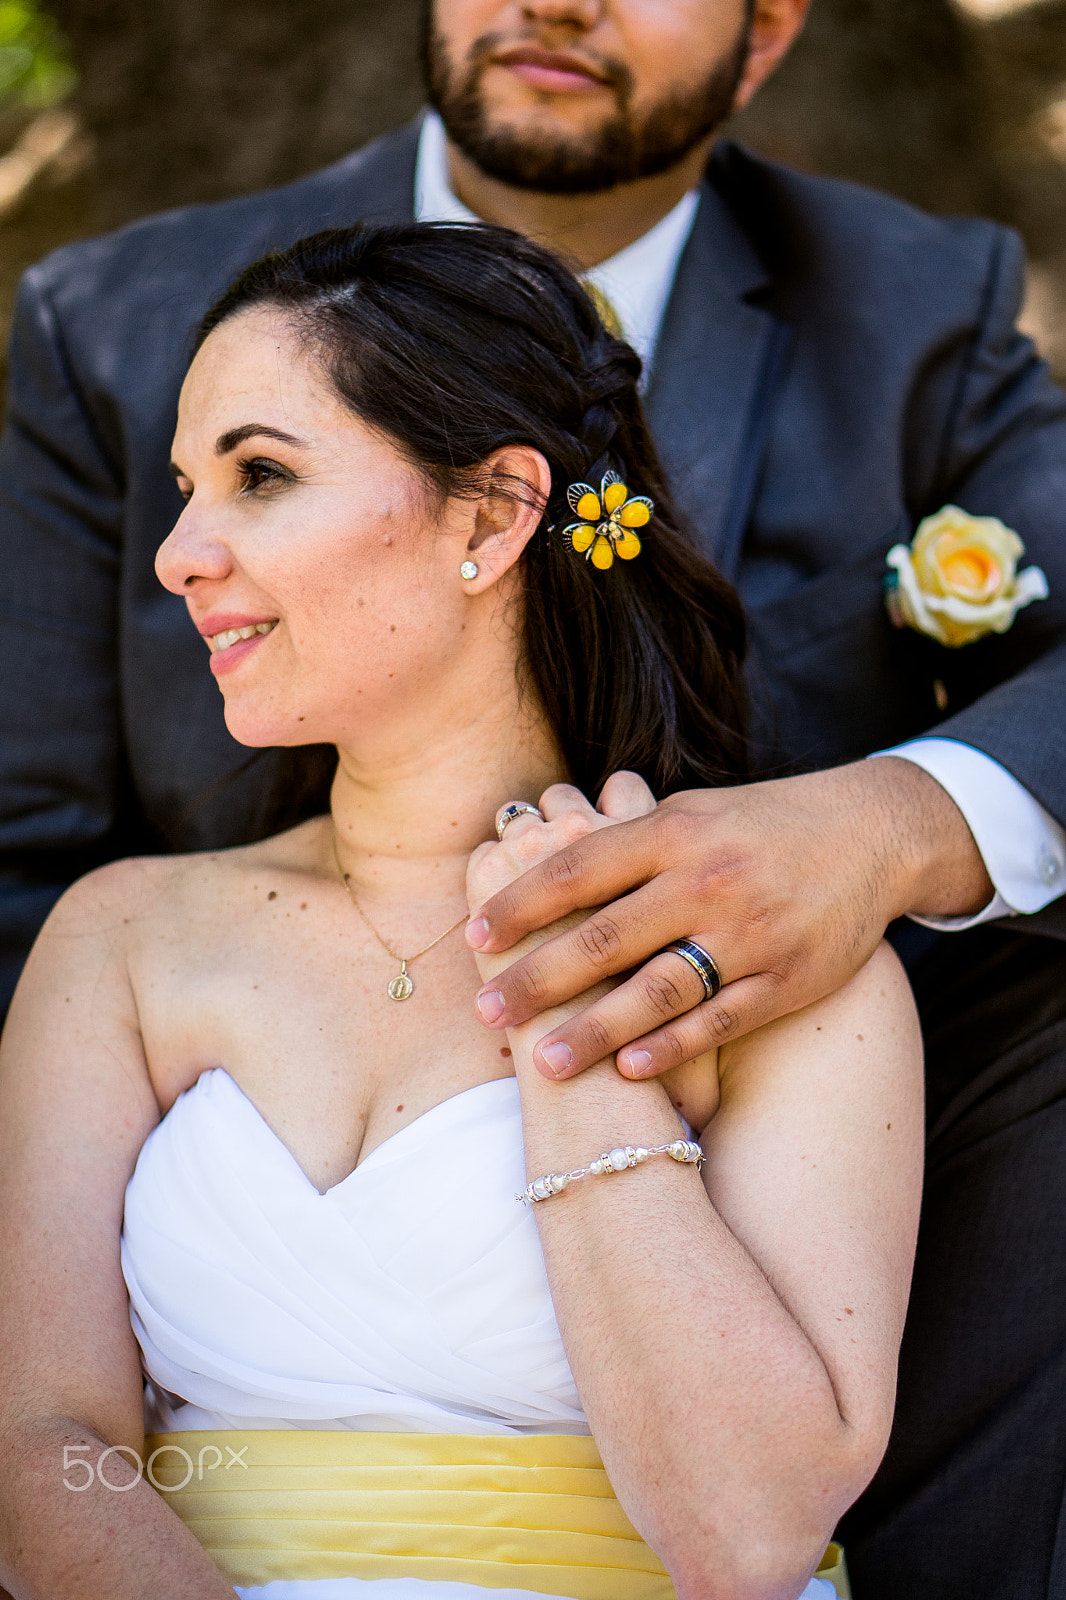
(401, 987)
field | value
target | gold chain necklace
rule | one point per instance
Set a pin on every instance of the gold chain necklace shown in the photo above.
(400, 987)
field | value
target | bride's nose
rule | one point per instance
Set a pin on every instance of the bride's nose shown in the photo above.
(191, 554)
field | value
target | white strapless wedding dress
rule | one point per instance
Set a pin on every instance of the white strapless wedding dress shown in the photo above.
(410, 1297)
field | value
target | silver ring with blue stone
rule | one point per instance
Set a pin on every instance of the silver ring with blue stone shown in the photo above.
(517, 808)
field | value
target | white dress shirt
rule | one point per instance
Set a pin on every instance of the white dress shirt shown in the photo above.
(637, 281)
(1023, 847)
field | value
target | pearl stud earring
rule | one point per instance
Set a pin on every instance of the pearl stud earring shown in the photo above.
(468, 570)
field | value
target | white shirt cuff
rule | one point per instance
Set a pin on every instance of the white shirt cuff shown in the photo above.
(1021, 844)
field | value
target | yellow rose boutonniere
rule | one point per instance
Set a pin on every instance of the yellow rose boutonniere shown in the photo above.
(958, 579)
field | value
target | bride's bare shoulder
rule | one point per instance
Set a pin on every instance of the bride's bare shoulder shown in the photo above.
(871, 1019)
(879, 995)
(126, 898)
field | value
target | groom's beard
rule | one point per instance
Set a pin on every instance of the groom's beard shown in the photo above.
(627, 145)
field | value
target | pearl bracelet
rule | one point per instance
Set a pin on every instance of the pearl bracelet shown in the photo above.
(617, 1160)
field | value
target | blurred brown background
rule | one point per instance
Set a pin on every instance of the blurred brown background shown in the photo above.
(113, 108)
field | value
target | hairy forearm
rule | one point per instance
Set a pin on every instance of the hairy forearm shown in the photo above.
(59, 1542)
(922, 838)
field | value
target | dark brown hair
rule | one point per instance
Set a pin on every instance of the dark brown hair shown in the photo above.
(456, 341)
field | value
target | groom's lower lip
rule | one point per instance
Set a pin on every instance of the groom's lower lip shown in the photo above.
(554, 79)
(553, 70)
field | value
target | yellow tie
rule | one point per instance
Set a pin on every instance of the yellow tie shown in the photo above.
(608, 315)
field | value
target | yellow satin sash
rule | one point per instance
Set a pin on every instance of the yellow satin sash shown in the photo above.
(533, 1512)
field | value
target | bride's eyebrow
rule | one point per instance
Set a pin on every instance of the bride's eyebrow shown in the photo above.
(249, 430)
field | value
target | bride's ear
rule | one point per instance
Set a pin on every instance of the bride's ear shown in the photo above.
(508, 514)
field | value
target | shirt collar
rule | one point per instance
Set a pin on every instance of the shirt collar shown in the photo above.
(637, 281)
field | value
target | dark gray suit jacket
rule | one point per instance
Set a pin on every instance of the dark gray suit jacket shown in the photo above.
(833, 366)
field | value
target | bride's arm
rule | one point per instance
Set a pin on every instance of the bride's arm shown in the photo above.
(76, 1104)
(734, 1339)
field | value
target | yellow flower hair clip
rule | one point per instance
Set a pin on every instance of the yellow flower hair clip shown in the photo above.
(607, 520)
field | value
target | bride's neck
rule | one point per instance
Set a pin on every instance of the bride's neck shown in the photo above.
(407, 818)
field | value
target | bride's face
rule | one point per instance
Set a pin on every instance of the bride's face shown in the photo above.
(318, 567)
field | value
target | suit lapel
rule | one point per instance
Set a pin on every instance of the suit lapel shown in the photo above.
(718, 364)
(377, 184)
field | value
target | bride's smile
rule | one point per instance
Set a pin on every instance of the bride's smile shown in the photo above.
(224, 633)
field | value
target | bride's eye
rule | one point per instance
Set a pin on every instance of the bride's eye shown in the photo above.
(257, 473)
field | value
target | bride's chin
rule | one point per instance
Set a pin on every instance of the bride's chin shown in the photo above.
(259, 731)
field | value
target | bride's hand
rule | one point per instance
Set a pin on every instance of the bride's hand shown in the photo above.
(527, 841)
(568, 816)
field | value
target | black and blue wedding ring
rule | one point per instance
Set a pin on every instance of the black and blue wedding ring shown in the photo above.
(700, 962)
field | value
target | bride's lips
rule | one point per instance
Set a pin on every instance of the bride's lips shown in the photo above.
(557, 70)
(231, 638)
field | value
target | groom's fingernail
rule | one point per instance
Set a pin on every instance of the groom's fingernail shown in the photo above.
(477, 931)
(638, 1062)
(556, 1057)
(491, 1005)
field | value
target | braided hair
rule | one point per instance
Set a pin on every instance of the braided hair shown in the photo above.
(458, 340)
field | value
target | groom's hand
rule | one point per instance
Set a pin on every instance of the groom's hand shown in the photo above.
(789, 885)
